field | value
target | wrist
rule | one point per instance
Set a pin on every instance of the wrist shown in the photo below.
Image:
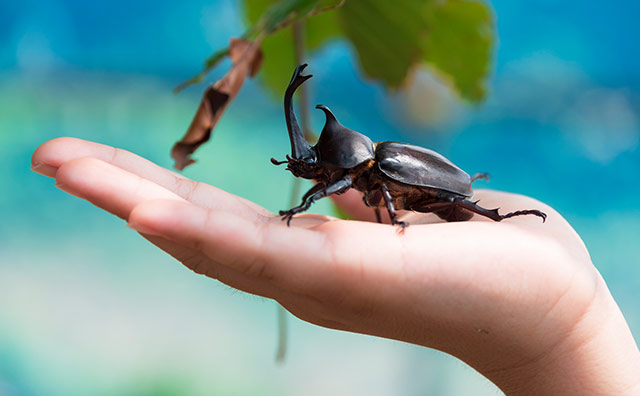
(598, 357)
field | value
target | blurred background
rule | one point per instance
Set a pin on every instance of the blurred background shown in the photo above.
(87, 307)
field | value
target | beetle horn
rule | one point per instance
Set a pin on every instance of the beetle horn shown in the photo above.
(327, 112)
(300, 148)
(331, 125)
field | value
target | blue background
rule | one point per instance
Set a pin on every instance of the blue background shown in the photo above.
(88, 307)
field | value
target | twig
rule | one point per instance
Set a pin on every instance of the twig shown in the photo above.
(290, 19)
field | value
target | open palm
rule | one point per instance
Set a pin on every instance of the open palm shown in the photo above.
(500, 296)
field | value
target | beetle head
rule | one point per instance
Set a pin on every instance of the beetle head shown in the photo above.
(304, 168)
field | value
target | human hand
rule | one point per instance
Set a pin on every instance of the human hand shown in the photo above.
(518, 300)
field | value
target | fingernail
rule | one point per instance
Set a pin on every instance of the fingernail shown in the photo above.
(44, 169)
(141, 228)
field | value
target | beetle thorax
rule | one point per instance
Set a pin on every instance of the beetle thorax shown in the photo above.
(341, 147)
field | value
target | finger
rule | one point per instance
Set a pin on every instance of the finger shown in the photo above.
(119, 191)
(201, 264)
(108, 187)
(288, 257)
(47, 158)
(555, 226)
(51, 155)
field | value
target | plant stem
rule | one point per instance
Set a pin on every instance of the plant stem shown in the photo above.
(303, 102)
(281, 352)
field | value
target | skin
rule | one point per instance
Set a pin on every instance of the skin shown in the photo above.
(519, 301)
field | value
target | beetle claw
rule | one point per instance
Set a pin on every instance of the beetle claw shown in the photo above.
(534, 212)
(286, 216)
(402, 225)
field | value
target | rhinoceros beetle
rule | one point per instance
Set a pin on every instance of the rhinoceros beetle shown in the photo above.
(389, 174)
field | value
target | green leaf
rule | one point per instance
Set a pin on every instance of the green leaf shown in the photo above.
(278, 61)
(270, 15)
(278, 48)
(254, 9)
(461, 44)
(322, 28)
(282, 10)
(455, 37)
(386, 36)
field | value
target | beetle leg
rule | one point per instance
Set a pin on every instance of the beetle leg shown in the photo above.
(534, 212)
(372, 199)
(305, 197)
(318, 191)
(392, 210)
(313, 190)
(276, 162)
(444, 209)
(493, 213)
(483, 176)
(376, 210)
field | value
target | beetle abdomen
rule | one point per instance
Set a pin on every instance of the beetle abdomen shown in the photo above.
(418, 166)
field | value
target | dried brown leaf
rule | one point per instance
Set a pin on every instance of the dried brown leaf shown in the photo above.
(246, 59)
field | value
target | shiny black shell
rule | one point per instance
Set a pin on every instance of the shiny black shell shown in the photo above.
(418, 166)
(341, 147)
